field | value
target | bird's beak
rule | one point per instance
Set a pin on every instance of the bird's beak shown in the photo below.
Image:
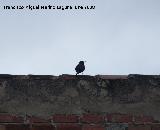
(85, 61)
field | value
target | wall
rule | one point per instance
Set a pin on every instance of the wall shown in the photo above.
(114, 121)
(111, 102)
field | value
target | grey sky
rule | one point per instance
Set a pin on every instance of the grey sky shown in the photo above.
(118, 37)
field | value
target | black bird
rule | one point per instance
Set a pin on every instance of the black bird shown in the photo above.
(80, 67)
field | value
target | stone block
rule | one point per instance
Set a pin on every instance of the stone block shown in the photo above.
(139, 127)
(42, 127)
(93, 127)
(65, 118)
(68, 127)
(17, 127)
(34, 119)
(155, 127)
(92, 118)
(143, 119)
(2, 127)
(4, 118)
(117, 126)
(119, 118)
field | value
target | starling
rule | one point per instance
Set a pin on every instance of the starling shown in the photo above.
(80, 67)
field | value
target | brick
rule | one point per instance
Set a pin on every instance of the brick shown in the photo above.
(16, 127)
(42, 127)
(65, 118)
(2, 127)
(119, 118)
(4, 118)
(68, 127)
(139, 127)
(155, 127)
(34, 119)
(117, 126)
(93, 127)
(92, 118)
(143, 119)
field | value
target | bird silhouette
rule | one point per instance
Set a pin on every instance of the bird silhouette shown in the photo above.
(80, 67)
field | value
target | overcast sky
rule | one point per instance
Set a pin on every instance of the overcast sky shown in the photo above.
(117, 37)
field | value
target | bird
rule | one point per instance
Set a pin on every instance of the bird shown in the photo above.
(80, 67)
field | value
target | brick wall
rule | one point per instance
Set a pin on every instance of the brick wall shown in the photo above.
(80, 98)
(112, 121)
